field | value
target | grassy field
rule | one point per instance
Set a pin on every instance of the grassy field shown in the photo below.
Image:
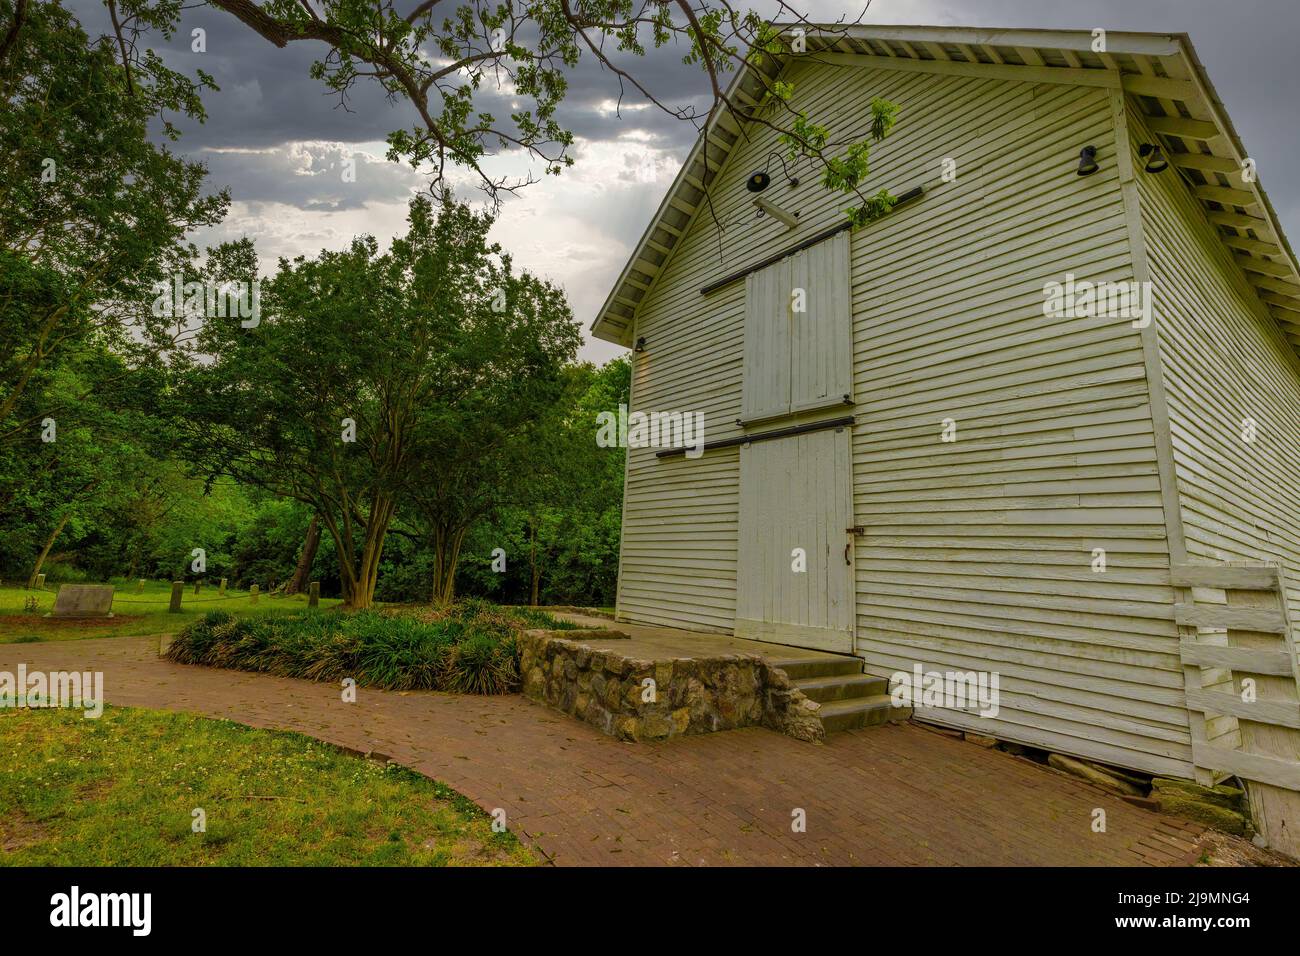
(133, 614)
(121, 791)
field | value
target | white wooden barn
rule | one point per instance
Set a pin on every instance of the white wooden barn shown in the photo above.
(1174, 446)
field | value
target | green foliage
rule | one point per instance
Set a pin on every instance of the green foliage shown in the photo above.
(465, 648)
(844, 173)
(439, 351)
(871, 210)
(448, 60)
(92, 211)
(561, 529)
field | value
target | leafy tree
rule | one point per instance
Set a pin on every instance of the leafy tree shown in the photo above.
(374, 381)
(92, 212)
(59, 477)
(505, 371)
(456, 64)
(560, 527)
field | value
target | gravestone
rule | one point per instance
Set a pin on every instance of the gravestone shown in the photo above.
(139, 586)
(83, 600)
(40, 582)
(222, 592)
(313, 594)
(252, 594)
(197, 586)
(178, 589)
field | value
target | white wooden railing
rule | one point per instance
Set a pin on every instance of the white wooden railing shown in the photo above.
(1265, 697)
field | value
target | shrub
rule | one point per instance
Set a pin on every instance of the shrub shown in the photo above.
(466, 648)
(482, 664)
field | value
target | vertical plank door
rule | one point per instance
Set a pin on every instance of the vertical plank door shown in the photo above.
(796, 493)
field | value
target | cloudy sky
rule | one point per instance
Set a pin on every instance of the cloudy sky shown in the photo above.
(279, 139)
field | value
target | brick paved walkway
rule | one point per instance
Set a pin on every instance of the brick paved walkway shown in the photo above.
(886, 795)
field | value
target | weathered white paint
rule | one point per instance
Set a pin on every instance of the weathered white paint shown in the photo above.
(766, 376)
(798, 333)
(1224, 361)
(821, 367)
(795, 585)
(977, 553)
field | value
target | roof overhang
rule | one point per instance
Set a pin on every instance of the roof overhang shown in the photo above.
(1162, 71)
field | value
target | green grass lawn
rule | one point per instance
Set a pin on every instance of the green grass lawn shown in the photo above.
(133, 614)
(121, 791)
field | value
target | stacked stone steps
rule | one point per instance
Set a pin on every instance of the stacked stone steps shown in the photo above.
(823, 665)
(842, 687)
(849, 699)
(861, 712)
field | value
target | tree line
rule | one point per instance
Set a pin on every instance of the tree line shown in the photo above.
(413, 415)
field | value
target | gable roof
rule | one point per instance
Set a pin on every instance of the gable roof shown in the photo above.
(1161, 70)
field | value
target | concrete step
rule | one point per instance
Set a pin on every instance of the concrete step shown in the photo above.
(842, 687)
(861, 712)
(799, 668)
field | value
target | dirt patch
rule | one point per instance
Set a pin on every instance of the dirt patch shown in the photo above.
(1222, 849)
(19, 831)
(95, 789)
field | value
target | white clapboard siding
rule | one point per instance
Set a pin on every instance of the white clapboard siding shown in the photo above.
(1224, 361)
(796, 493)
(678, 560)
(977, 553)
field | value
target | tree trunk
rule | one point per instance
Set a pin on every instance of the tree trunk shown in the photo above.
(306, 559)
(446, 555)
(359, 576)
(49, 543)
(367, 569)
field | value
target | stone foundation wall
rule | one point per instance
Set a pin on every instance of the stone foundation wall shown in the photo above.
(610, 690)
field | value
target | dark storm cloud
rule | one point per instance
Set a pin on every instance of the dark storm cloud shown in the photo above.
(286, 126)
(320, 177)
(267, 98)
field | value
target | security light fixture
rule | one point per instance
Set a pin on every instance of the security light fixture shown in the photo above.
(783, 216)
(1156, 162)
(761, 179)
(1088, 161)
(640, 345)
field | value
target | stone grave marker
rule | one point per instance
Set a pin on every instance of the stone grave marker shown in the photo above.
(83, 600)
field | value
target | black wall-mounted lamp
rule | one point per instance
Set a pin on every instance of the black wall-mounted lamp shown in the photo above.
(1088, 161)
(640, 345)
(761, 179)
(1156, 162)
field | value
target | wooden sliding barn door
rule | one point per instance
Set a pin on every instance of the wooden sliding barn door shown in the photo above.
(795, 566)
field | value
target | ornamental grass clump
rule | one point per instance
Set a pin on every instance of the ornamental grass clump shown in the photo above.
(467, 648)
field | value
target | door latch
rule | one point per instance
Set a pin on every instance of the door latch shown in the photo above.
(856, 529)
